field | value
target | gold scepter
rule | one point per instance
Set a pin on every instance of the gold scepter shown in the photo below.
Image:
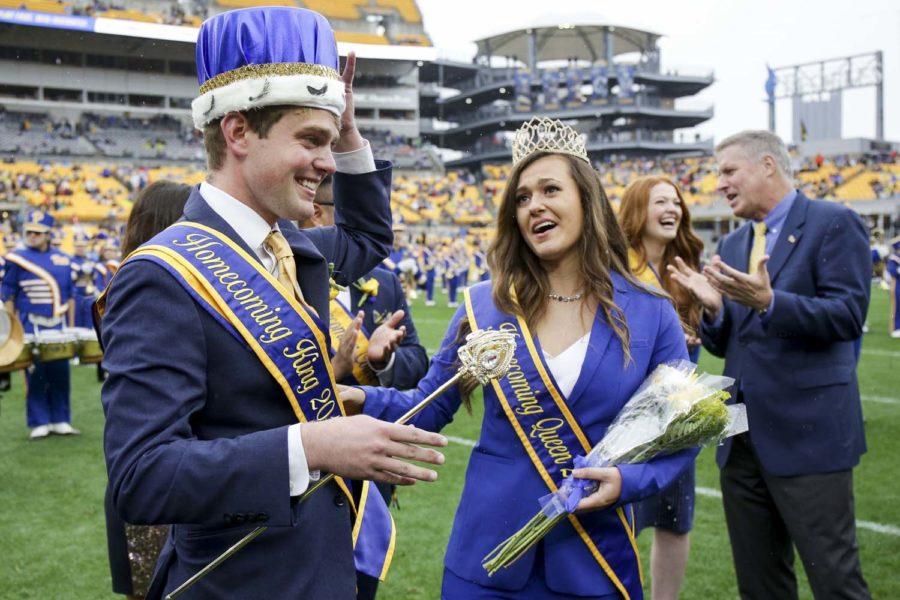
(485, 356)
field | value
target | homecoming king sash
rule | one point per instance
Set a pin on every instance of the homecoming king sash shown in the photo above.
(550, 433)
(341, 318)
(287, 338)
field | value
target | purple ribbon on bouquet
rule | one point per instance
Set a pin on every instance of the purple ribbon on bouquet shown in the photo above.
(573, 489)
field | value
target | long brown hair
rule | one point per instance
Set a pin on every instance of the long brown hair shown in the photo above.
(601, 247)
(159, 205)
(633, 217)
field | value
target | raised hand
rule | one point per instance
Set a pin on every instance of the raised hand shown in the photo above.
(350, 137)
(754, 291)
(361, 447)
(346, 350)
(698, 285)
(385, 339)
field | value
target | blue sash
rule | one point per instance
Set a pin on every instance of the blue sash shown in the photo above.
(286, 336)
(550, 434)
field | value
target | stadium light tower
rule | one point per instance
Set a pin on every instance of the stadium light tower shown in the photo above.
(830, 76)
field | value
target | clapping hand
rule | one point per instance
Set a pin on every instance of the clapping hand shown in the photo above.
(754, 290)
(350, 138)
(346, 350)
(698, 285)
(385, 339)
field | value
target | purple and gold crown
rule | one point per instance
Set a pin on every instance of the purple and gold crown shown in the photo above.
(265, 56)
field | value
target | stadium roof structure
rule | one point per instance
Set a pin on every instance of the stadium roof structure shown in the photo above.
(564, 41)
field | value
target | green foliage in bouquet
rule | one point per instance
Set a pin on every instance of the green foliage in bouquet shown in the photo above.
(705, 422)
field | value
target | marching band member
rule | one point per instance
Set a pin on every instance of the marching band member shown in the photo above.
(428, 264)
(588, 335)
(221, 405)
(892, 266)
(83, 277)
(38, 288)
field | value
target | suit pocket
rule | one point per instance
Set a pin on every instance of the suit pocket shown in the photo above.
(822, 375)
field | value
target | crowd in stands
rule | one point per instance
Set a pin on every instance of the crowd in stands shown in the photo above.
(92, 189)
(191, 13)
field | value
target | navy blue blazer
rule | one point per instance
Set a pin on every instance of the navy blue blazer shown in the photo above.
(196, 428)
(502, 487)
(796, 368)
(410, 358)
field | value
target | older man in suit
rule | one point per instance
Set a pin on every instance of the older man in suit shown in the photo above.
(785, 298)
(201, 405)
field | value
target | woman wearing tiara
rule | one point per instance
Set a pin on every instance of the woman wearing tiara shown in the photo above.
(587, 335)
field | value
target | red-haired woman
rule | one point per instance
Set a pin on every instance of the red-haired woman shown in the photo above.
(657, 227)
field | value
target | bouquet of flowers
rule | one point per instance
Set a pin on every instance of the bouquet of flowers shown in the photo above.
(672, 410)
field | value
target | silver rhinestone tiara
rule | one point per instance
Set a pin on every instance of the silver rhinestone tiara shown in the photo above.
(541, 134)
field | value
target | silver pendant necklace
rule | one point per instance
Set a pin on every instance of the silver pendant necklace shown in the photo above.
(561, 298)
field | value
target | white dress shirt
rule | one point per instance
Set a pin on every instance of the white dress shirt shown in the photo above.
(253, 229)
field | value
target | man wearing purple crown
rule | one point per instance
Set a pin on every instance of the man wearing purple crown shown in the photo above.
(221, 403)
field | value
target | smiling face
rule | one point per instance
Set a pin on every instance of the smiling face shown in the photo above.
(743, 182)
(548, 208)
(282, 170)
(663, 213)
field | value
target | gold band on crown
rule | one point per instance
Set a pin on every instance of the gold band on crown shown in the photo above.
(265, 70)
(541, 134)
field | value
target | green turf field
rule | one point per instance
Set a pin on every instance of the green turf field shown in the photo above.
(52, 536)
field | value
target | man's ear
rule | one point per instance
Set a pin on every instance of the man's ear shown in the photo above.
(317, 215)
(235, 130)
(769, 165)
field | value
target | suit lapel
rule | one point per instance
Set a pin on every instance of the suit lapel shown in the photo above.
(601, 334)
(789, 236)
(311, 269)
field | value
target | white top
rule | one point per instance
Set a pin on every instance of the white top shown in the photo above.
(566, 366)
(253, 229)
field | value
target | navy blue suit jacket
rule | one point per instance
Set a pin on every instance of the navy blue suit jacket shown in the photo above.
(196, 429)
(795, 368)
(410, 359)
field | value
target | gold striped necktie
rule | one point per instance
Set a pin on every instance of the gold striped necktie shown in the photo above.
(758, 250)
(284, 260)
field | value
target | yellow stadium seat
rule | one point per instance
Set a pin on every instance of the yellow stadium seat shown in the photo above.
(407, 9)
(336, 9)
(354, 37)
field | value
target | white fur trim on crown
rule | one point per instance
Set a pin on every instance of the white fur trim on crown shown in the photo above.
(313, 91)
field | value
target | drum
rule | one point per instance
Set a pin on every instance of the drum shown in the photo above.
(89, 351)
(55, 345)
(24, 360)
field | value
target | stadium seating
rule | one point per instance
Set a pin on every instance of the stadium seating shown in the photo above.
(47, 6)
(407, 9)
(355, 37)
(336, 9)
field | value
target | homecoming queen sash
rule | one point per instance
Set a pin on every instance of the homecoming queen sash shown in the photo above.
(287, 338)
(550, 434)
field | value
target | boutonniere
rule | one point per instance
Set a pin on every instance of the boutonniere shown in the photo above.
(368, 287)
(333, 288)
